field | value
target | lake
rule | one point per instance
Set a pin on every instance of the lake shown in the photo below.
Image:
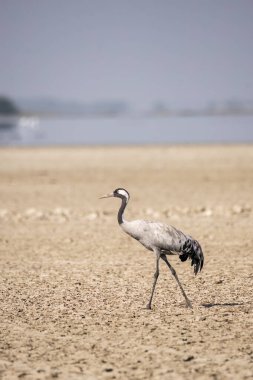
(128, 130)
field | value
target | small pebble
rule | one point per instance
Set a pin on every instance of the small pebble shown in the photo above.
(237, 209)
(188, 358)
(208, 212)
(200, 318)
(91, 216)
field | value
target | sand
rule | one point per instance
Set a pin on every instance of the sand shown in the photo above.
(74, 286)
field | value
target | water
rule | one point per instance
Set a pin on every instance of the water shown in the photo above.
(173, 130)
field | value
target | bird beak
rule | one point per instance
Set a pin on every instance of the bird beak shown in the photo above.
(107, 196)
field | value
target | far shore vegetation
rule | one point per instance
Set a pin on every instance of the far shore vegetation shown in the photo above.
(53, 108)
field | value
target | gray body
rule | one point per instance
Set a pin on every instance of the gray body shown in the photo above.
(156, 235)
(162, 239)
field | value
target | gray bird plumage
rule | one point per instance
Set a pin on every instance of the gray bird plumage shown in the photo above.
(162, 239)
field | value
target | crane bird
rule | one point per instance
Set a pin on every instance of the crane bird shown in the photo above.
(162, 239)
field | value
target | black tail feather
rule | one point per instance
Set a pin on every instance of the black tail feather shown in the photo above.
(192, 250)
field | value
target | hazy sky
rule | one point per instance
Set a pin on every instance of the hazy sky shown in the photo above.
(182, 52)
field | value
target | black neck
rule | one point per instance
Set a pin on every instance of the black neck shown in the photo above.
(121, 210)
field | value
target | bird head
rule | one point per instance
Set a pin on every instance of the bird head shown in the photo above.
(118, 193)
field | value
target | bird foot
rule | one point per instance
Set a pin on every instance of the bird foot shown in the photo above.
(148, 307)
(189, 305)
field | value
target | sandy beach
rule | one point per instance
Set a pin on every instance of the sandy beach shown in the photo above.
(74, 286)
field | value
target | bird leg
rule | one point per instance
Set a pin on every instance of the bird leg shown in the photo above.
(188, 302)
(156, 275)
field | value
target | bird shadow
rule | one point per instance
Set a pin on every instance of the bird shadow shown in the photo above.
(226, 304)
